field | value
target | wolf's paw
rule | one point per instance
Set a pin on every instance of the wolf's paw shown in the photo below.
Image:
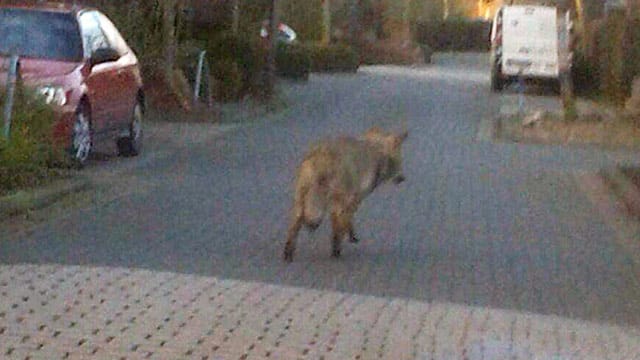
(288, 255)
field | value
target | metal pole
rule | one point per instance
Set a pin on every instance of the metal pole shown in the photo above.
(326, 21)
(271, 55)
(235, 23)
(196, 90)
(11, 87)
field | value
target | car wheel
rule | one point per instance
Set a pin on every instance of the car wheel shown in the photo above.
(82, 137)
(131, 145)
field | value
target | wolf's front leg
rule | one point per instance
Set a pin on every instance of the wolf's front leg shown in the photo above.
(350, 213)
(352, 235)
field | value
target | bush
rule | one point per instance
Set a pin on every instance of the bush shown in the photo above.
(333, 58)
(140, 23)
(30, 156)
(292, 61)
(454, 34)
(608, 47)
(585, 74)
(391, 52)
(248, 56)
(228, 80)
(609, 71)
(631, 54)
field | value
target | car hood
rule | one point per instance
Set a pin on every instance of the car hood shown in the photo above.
(37, 71)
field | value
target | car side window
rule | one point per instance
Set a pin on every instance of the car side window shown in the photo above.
(92, 36)
(113, 35)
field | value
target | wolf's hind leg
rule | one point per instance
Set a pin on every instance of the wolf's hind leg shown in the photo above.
(292, 233)
(340, 223)
(314, 208)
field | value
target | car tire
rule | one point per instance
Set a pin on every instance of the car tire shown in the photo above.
(131, 145)
(81, 137)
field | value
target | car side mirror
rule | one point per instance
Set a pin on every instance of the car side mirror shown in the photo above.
(103, 55)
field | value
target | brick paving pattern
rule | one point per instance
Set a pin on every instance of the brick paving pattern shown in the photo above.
(70, 312)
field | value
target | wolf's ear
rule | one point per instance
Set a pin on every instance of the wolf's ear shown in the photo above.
(403, 136)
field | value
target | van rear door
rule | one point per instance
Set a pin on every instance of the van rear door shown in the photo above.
(530, 41)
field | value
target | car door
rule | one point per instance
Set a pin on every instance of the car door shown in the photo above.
(101, 87)
(126, 75)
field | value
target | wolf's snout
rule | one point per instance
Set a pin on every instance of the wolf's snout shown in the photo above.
(398, 179)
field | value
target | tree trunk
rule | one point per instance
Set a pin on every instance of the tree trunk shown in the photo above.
(613, 57)
(355, 26)
(326, 21)
(445, 9)
(271, 53)
(169, 31)
(235, 24)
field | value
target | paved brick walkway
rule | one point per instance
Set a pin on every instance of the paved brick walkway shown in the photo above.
(58, 312)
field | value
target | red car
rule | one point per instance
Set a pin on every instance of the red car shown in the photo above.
(76, 58)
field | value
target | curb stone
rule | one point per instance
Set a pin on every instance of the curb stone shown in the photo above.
(38, 198)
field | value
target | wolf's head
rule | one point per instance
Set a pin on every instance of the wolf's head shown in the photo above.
(391, 146)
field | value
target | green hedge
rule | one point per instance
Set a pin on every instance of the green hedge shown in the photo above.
(609, 70)
(236, 63)
(392, 52)
(293, 61)
(585, 75)
(454, 34)
(30, 156)
(631, 54)
(296, 60)
(333, 58)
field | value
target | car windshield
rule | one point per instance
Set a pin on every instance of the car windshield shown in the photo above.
(39, 34)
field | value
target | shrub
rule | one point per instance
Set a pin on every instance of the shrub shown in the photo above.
(292, 61)
(30, 156)
(454, 34)
(248, 56)
(228, 80)
(333, 58)
(631, 54)
(610, 57)
(391, 52)
(140, 23)
(585, 73)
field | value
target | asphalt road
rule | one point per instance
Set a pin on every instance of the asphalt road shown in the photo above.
(476, 223)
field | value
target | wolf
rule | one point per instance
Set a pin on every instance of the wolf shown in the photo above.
(336, 175)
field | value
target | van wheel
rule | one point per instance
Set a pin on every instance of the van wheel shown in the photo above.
(131, 145)
(497, 84)
(556, 87)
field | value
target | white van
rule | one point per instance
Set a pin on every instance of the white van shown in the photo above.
(524, 41)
